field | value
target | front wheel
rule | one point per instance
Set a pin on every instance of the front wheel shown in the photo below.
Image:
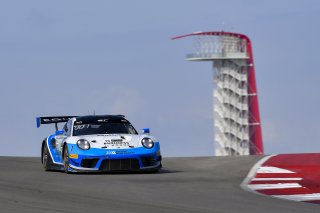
(66, 159)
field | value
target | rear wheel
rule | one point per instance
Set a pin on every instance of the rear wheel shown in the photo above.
(46, 158)
(66, 159)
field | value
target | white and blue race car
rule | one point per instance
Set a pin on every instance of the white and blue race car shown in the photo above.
(98, 143)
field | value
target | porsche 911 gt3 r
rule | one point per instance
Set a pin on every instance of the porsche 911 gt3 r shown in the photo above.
(98, 143)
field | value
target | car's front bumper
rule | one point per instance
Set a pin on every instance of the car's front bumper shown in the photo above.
(114, 160)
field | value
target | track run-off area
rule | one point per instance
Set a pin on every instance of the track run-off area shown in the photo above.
(293, 177)
(201, 184)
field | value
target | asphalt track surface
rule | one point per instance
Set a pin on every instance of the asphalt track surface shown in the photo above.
(206, 184)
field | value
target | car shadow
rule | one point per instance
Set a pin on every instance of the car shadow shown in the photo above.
(160, 172)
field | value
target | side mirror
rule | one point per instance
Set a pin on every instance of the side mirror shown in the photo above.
(59, 132)
(145, 131)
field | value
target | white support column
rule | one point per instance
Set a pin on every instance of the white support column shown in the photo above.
(231, 108)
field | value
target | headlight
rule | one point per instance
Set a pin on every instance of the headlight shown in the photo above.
(83, 144)
(147, 143)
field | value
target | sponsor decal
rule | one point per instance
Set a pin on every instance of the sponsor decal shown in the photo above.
(57, 119)
(116, 142)
(124, 152)
(73, 156)
(111, 152)
(103, 120)
(118, 152)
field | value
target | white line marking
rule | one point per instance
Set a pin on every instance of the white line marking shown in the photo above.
(275, 179)
(274, 186)
(300, 197)
(271, 169)
(252, 174)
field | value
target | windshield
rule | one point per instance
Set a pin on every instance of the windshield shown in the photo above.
(103, 128)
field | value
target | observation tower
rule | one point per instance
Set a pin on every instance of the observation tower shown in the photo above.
(236, 109)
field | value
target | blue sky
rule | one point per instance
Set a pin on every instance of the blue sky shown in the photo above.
(74, 57)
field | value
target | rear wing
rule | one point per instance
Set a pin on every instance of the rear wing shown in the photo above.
(53, 120)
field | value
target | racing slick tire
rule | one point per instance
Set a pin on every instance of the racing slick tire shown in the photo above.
(66, 159)
(46, 158)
